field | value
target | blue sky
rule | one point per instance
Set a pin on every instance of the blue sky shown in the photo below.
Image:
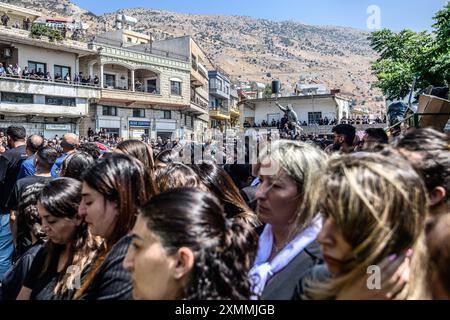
(395, 14)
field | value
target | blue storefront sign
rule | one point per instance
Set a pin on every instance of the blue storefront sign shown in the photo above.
(139, 123)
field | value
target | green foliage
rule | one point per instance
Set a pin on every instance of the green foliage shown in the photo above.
(55, 35)
(268, 91)
(407, 54)
(37, 31)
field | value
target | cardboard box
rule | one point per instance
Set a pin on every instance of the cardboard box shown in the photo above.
(436, 106)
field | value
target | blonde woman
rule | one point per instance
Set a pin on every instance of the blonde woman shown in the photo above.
(374, 208)
(287, 196)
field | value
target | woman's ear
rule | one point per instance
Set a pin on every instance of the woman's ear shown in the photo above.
(184, 262)
(437, 195)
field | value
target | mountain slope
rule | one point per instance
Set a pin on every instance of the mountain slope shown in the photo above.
(253, 49)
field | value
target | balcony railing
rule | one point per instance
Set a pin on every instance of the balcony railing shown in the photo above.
(220, 110)
(199, 101)
(76, 43)
(143, 48)
(147, 90)
(43, 80)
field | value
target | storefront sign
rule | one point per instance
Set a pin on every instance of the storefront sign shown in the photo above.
(58, 127)
(139, 123)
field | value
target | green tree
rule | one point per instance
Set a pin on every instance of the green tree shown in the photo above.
(268, 91)
(407, 55)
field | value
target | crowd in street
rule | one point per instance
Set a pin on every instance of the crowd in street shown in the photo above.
(99, 217)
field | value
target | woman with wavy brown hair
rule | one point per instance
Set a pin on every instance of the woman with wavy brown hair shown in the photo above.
(374, 207)
(184, 247)
(113, 188)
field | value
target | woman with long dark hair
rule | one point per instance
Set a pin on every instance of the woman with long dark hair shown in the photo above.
(60, 265)
(222, 186)
(144, 153)
(113, 188)
(184, 247)
(75, 163)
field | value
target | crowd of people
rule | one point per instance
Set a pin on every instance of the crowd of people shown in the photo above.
(76, 33)
(15, 71)
(280, 124)
(137, 220)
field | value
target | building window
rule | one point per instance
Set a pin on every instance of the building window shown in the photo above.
(227, 89)
(110, 80)
(37, 67)
(151, 86)
(139, 113)
(129, 40)
(175, 88)
(194, 62)
(314, 117)
(109, 111)
(60, 101)
(167, 114)
(61, 71)
(17, 97)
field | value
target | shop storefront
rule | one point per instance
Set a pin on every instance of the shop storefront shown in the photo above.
(137, 129)
(166, 129)
(108, 125)
(53, 129)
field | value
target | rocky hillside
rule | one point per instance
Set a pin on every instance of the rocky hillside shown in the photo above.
(254, 49)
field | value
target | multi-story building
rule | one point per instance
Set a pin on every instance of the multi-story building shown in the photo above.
(46, 107)
(197, 113)
(143, 91)
(234, 108)
(310, 110)
(136, 86)
(219, 99)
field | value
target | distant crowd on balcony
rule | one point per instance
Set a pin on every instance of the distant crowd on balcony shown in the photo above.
(280, 124)
(15, 71)
(27, 24)
(320, 122)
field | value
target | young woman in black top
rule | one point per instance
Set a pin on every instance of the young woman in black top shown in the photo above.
(184, 247)
(60, 265)
(30, 240)
(113, 188)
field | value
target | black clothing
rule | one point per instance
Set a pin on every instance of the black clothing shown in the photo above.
(112, 281)
(10, 163)
(283, 285)
(249, 195)
(23, 241)
(42, 283)
(20, 186)
(319, 273)
(14, 278)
